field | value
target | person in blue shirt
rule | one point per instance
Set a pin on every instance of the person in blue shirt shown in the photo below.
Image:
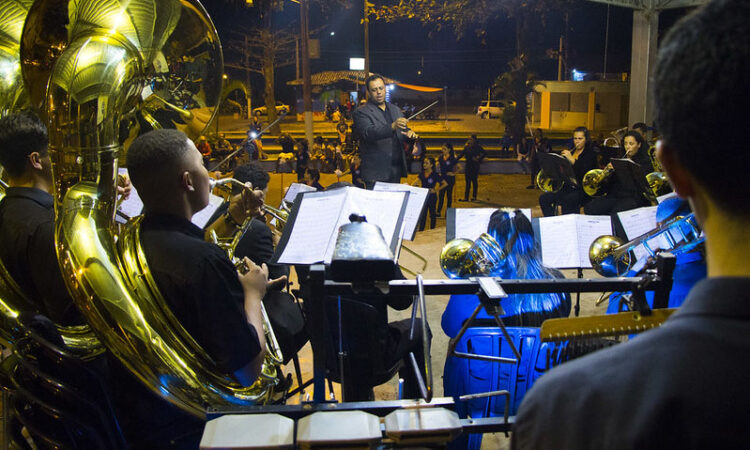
(433, 181)
(513, 232)
(447, 163)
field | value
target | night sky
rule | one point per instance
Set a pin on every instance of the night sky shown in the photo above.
(401, 50)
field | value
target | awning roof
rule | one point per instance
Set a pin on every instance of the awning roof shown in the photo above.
(355, 76)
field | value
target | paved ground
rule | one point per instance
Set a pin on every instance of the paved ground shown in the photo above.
(494, 191)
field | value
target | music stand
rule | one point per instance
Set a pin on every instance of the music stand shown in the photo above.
(557, 168)
(609, 153)
(631, 178)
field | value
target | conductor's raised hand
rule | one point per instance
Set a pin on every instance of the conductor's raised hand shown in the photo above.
(400, 124)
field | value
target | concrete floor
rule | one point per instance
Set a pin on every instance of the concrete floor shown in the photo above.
(494, 191)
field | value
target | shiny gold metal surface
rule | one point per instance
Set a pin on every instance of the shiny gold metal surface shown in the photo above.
(611, 257)
(546, 183)
(595, 181)
(577, 328)
(13, 95)
(658, 183)
(103, 61)
(462, 258)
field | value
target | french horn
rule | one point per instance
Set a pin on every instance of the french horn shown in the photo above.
(100, 60)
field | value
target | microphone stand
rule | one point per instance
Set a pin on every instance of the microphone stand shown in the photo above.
(260, 133)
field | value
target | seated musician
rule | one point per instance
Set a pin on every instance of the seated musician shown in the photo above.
(312, 178)
(219, 307)
(513, 231)
(27, 218)
(570, 198)
(27, 249)
(683, 384)
(257, 243)
(619, 197)
(356, 170)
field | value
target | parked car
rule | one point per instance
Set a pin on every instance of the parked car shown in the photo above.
(490, 109)
(280, 107)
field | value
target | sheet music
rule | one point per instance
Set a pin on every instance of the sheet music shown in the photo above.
(588, 228)
(414, 205)
(201, 217)
(638, 222)
(380, 208)
(565, 240)
(294, 189)
(316, 217)
(316, 221)
(472, 222)
(133, 206)
(559, 241)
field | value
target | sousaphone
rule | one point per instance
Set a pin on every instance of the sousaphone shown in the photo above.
(90, 66)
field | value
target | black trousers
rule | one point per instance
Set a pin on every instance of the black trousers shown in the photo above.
(570, 199)
(472, 179)
(447, 192)
(428, 207)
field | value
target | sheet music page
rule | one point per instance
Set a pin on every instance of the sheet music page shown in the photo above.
(201, 217)
(638, 221)
(415, 203)
(313, 227)
(589, 228)
(380, 208)
(559, 241)
(471, 222)
(133, 206)
(294, 189)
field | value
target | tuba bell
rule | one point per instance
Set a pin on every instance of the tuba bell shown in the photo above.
(99, 60)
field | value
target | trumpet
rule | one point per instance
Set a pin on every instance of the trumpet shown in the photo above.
(281, 215)
(611, 257)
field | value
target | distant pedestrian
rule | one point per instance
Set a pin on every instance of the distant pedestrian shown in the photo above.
(473, 154)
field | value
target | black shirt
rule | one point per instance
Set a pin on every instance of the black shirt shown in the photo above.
(27, 249)
(448, 165)
(586, 161)
(431, 181)
(201, 286)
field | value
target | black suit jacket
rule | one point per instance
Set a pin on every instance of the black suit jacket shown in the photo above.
(376, 141)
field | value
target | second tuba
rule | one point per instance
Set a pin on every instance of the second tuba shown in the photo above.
(100, 60)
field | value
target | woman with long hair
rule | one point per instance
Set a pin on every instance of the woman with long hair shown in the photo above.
(447, 163)
(522, 312)
(583, 158)
(430, 179)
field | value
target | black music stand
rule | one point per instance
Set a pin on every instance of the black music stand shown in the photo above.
(631, 178)
(609, 153)
(557, 168)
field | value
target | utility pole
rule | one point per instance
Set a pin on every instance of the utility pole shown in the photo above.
(296, 56)
(560, 60)
(367, 42)
(306, 82)
(247, 77)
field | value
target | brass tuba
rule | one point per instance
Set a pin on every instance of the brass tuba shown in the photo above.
(13, 97)
(99, 60)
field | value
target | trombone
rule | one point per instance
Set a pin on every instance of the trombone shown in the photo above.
(611, 257)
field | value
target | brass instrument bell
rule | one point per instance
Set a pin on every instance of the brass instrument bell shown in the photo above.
(462, 258)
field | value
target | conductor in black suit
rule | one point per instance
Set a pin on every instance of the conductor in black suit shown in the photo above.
(382, 130)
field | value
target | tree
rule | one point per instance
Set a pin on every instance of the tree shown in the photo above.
(476, 15)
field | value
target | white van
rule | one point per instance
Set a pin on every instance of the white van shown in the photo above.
(490, 109)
